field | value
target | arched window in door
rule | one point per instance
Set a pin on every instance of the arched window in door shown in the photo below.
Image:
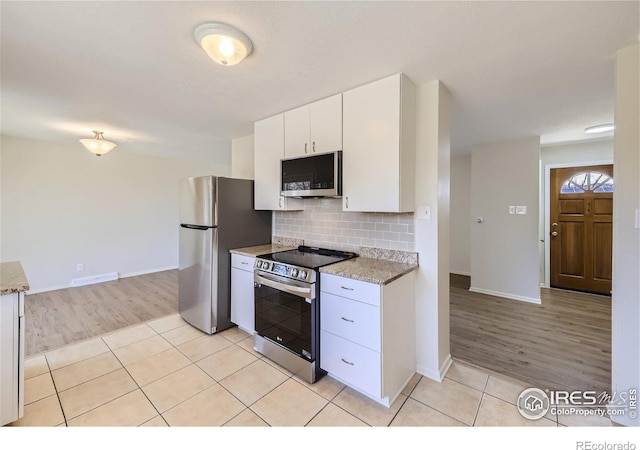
(597, 182)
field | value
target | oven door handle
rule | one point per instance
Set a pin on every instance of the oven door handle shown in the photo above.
(294, 290)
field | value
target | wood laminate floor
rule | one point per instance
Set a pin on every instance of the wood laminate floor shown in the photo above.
(564, 343)
(57, 318)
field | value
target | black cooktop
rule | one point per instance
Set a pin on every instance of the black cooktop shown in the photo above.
(309, 257)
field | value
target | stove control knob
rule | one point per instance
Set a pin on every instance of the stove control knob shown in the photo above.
(259, 264)
(294, 272)
(265, 265)
(303, 274)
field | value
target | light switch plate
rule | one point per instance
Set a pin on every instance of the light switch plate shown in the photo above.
(512, 209)
(424, 213)
(521, 210)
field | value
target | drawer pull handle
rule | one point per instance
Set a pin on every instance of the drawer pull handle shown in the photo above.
(346, 320)
(346, 362)
(245, 263)
(346, 288)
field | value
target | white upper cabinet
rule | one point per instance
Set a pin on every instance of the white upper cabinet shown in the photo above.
(379, 146)
(268, 137)
(314, 128)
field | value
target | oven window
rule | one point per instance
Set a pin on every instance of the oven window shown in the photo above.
(285, 319)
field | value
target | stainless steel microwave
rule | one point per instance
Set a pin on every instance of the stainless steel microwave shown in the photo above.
(315, 175)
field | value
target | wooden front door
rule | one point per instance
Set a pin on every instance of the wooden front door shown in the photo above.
(582, 228)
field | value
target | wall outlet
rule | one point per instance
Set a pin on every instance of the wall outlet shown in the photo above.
(512, 209)
(521, 210)
(80, 268)
(424, 213)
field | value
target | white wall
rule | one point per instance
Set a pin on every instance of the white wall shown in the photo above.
(242, 158)
(432, 236)
(62, 206)
(504, 248)
(625, 354)
(565, 155)
(460, 224)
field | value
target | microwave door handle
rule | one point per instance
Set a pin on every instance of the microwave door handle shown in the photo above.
(295, 290)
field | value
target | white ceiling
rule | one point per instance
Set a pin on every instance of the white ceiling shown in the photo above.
(134, 70)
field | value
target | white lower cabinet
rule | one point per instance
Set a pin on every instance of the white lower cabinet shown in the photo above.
(11, 357)
(367, 338)
(242, 293)
(353, 364)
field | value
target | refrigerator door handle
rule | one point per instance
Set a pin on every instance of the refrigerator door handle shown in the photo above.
(196, 227)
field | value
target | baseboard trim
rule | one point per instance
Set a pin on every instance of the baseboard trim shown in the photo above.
(147, 272)
(124, 275)
(460, 272)
(47, 289)
(440, 373)
(505, 295)
(94, 279)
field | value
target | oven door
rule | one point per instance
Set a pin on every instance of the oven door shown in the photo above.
(285, 313)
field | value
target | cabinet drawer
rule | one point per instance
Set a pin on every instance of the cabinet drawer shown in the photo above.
(352, 320)
(349, 288)
(356, 365)
(242, 262)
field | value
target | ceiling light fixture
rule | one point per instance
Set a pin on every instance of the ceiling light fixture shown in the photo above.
(223, 43)
(98, 146)
(599, 128)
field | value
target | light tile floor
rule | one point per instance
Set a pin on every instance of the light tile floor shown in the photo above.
(167, 373)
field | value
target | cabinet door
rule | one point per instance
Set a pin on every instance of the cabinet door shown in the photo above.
(296, 132)
(10, 358)
(371, 153)
(268, 137)
(326, 124)
(351, 320)
(242, 299)
(268, 151)
(357, 366)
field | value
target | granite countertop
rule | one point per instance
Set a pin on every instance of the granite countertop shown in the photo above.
(278, 244)
(12, 278)
(261, 249)
(371, 270)
(375, 265)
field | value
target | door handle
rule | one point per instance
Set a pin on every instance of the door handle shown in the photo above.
(305, 147)
(554, 234)
(554, 224)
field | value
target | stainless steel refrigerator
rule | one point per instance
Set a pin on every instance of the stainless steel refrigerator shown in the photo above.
(216, 215)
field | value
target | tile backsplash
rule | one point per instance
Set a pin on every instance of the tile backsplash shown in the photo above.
(324, 224)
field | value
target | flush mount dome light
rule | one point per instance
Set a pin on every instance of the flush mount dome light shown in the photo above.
(599, 128)
(223, 43)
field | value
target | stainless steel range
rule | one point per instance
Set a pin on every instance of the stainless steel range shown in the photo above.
(287, 313)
